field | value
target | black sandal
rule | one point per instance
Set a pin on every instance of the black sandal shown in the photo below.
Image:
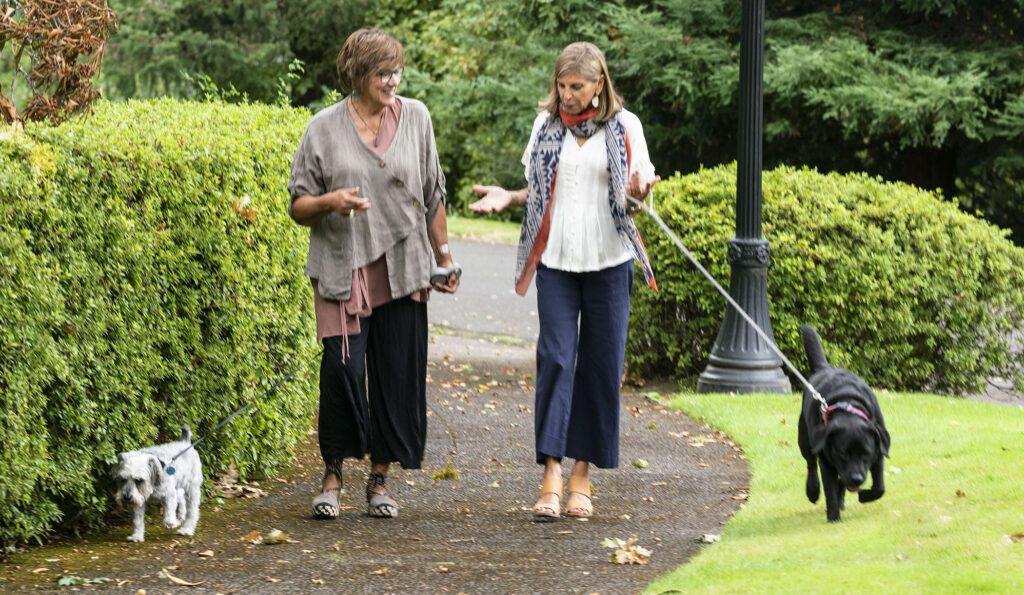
(379, 504)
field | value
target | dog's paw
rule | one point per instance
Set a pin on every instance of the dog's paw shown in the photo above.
(869, 495)
(172, 523)
(813, 490)
(134, 538)
(185, 531)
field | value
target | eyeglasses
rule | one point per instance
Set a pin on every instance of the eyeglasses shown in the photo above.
(386, 75)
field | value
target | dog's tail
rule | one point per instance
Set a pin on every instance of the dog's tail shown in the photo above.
(186, 433)
(812, 345)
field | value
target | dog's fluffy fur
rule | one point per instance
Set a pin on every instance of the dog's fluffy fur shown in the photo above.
(141, 476)
(848, 445)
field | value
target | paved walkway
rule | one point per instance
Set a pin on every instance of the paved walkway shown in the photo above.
(471, 535)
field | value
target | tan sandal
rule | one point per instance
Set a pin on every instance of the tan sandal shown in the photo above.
(545, 512)
(579, 504)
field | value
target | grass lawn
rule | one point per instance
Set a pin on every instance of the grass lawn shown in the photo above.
(480, 228)
(951, 521)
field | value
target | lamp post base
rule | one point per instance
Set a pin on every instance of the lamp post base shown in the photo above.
(741, 362)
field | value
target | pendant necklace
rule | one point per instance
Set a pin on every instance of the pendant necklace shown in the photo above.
(376, 134)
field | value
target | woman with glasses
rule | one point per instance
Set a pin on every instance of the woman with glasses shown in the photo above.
(367, 182)
(586, 154)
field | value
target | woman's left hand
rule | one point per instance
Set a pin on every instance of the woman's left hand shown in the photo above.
(639, 191)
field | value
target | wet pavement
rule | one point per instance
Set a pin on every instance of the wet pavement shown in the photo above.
(677, 481)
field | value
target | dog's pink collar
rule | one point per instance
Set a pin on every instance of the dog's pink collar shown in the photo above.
(845, 407)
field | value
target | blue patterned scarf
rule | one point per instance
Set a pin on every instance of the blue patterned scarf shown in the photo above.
(541, 175)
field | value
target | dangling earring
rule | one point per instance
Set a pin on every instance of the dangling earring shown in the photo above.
(355, 94)
(595, 101)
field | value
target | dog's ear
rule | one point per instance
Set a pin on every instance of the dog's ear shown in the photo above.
(156, 470)
(817, 435)
(883, 438)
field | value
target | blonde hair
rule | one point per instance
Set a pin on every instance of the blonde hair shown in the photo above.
(586, 60)
(366, 52)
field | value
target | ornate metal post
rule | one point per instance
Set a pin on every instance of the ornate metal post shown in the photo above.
(740, 361)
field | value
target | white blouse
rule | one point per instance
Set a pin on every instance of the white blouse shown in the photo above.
(582, 236)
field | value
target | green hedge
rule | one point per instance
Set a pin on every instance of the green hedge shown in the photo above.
(905, 290)
(149, 277)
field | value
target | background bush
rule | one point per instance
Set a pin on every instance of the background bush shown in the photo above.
(904, 289)
(149, 277)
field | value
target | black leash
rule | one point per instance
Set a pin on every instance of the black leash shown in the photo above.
(170, 464)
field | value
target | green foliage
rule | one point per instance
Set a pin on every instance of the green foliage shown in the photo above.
(242, 45)
(921, 91)
(149, 277)
(905, 289)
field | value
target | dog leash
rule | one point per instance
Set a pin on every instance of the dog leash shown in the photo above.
(771, 344)
(169, 469)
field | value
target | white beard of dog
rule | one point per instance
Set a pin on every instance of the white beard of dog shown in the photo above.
(141, 476)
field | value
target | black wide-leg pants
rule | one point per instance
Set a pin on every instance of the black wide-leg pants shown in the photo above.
(388, 357)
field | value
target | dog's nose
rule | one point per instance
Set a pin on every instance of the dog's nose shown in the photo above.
(857, 478)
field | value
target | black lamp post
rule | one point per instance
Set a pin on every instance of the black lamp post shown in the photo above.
(741, 362)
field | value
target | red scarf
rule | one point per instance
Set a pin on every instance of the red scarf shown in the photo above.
(571, 120)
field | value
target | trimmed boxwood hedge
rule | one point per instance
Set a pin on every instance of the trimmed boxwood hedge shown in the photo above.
(149, 277)
(905, 289)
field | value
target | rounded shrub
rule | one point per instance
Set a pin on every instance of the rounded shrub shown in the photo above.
(149, 277)
(906, 290)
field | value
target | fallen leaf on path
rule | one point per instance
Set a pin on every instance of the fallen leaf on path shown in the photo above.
(205, 554)
(40, 570)
(381, 572)
(179, 581)
(709, 538)
(640, 464)
(627, 552)
(277, 536)
(253, 537)
(448, 473)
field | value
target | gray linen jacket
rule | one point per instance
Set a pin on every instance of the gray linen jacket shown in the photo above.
(405, 188)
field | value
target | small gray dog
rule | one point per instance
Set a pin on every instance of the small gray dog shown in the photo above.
(150, 474)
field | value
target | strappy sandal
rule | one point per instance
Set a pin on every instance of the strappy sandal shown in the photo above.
(579, 490)
(379, 504)
(325, 506)
(546, 512)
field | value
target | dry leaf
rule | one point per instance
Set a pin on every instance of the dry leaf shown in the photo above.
(640, 464)
(205, 554)
(627, 552)
(381, 572)
(253, 537)
(277, 536)
(40, 570)
(179, 581)
(709, 538)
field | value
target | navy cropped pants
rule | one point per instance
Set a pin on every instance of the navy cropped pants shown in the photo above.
(584, 318)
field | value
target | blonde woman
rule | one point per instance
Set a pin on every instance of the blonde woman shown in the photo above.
(586, 154)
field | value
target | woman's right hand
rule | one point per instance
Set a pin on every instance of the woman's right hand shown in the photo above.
(495, 198)
(345, 202)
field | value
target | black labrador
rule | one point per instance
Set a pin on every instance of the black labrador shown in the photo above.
(847, 440)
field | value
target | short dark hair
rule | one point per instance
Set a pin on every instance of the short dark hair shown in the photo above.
(365, 53)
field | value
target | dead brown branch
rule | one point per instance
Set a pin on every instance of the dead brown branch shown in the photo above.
(64, 42)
